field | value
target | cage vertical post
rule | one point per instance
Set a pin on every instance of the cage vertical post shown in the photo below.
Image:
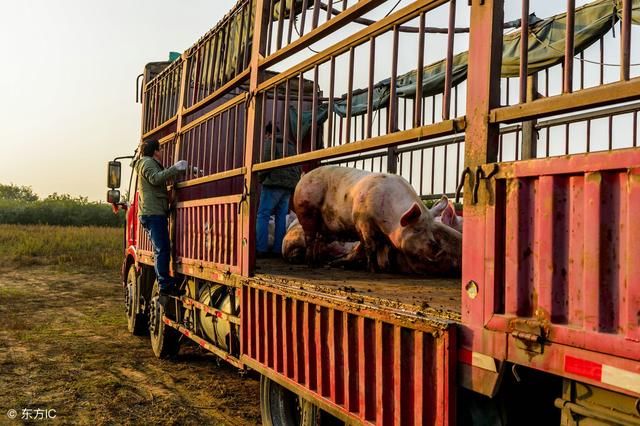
(483, 94)
(253, 134)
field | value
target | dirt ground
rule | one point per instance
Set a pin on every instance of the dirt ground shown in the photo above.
(64, 346)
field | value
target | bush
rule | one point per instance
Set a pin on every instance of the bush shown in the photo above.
(18, 206)
(58, 212)
(14, 192)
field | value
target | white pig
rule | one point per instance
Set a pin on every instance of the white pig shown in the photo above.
(381, 210)
(294, 246)
(450, 218)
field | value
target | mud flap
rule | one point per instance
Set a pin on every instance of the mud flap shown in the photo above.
(481, 379)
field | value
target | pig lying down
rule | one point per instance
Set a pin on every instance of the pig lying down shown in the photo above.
(395, 231)
(294, 247)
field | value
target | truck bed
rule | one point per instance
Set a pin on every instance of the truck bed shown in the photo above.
(432, 297)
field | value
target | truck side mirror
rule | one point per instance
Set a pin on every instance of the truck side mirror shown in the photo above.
(113, 174)
(113, 196)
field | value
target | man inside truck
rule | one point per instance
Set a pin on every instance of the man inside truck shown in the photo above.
(153, 208)
(277, 187)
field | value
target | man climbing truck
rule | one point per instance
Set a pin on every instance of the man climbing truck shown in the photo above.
(153, 208)
(531, 118)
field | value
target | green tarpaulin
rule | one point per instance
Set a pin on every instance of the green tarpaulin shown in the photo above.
(546, 49)
(305, 122)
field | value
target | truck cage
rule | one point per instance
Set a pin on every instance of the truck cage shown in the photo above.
(550, 187)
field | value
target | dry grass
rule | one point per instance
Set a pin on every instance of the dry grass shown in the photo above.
(65, 247)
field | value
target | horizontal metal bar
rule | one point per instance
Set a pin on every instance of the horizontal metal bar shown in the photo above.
(413, 148)
(212, 178)
(221, 274)
(211, 310)
(450, 195)
(596, 413)
(223, 90)
(432, 130)
(145, 257)
(434, 144)
(574, 163)
(591, 115)
(208, 346)
(219, 109)
(334, 24)
(168, 138)
(162, 126)
(209, 270)
(226, 199)
(623, 91)
(357, 158)
(405, 14)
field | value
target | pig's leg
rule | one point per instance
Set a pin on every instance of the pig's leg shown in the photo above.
(311, 226)
(354, 259)
(369, 241)
(382, 256)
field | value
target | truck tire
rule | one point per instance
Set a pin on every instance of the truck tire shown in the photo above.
(281, 407)
(137, 322)
(165, 341)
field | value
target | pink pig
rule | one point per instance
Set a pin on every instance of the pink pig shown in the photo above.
(445, 212)
(294, 246)
(381, 210)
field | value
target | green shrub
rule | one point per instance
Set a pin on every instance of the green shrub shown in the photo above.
(61, 210)
(15, 192)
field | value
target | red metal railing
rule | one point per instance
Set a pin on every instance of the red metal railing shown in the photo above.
(376, 370)
(168, 150)
(215, 143)
(208, 233)
(568, 249)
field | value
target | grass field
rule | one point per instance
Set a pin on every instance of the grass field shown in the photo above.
(64, 247)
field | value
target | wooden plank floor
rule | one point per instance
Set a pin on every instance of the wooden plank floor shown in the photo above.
(430, 296)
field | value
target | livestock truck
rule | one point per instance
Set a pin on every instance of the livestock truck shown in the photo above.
(531, 118)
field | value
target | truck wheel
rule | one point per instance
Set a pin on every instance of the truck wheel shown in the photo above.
(165, 341)
(281, 407)
(137, 322)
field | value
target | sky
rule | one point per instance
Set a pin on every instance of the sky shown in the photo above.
(68, 83)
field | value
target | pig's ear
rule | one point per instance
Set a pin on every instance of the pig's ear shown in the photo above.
(436, 209)
(449, 215)
(411, 215)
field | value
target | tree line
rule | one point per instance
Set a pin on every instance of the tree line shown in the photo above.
(20, 205)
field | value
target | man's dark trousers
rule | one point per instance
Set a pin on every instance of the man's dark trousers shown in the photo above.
(157, 227)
